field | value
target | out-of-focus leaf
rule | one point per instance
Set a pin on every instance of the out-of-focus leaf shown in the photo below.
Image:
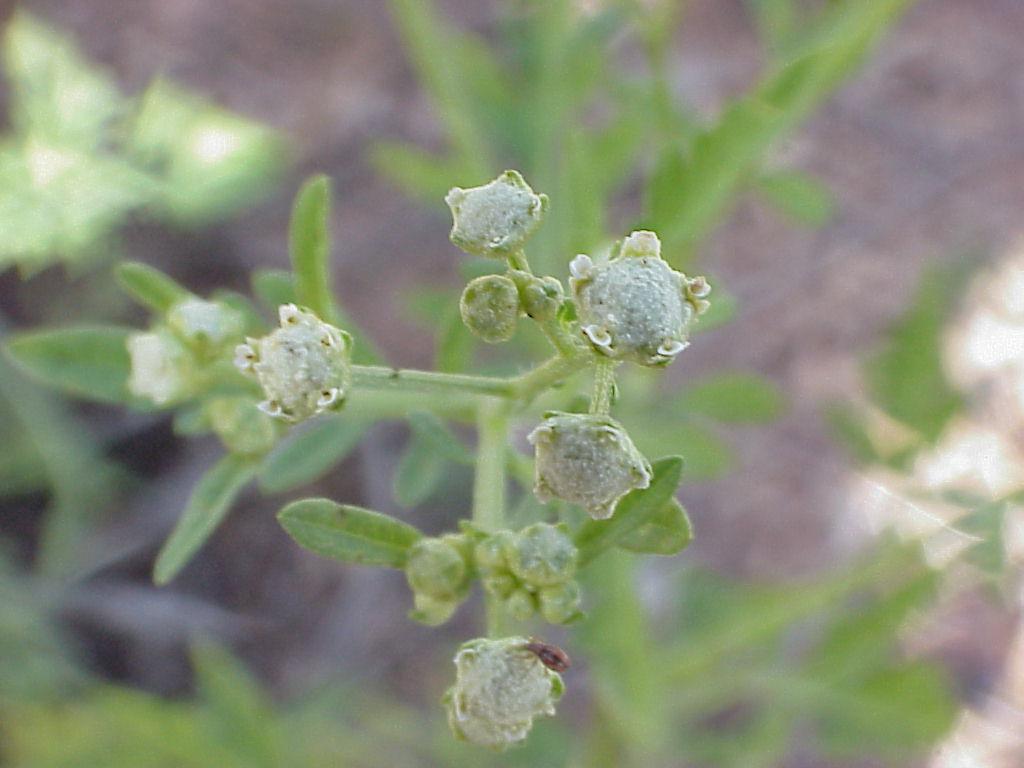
(273, 287)
(416, 172)
(989, 554)
(310, 247)
(309, 452)
(906, 377)
(85, 361)
(349, 534)
(724, 306)
(419, 472)
(636, 509)
(705, 454)
(667, 532)
(455, 343)
(848, 428)
(434, 433)
(733, 397)
(801, 197)
(149, 286)
(209, 503)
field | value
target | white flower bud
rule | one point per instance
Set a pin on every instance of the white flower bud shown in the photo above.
(588, 460)
(500, 687)
(496, 218)
(161, 367)
(635, 306)
(205, 322)
(490, 308)
(303, 367)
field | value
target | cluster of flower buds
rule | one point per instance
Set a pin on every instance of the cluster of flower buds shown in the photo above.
(634, 306)
(497, 218)
(501, 685)
(167, 361)
(438, 572)
(303, 367)
(531, 571)
(586, 459)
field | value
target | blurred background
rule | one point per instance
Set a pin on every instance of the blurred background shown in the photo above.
(848, 175)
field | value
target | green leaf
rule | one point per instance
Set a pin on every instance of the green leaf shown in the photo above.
(435, 434)
(149, 286)
(801, 197)
(273, 287)
(733, 397)
(667, 532)
(906, 377)
(209, 503)
(419, 472)
(848, 428)
(310, 247)
(636, 509)
(705, 454)
(455, 344)
(309, 452)
(85, 361)
(349, 534)
(416, 172)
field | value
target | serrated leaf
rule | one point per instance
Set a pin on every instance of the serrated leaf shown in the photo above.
(149, 286)
(207, 506)
(348, 534)
(733, 397)
(801, 197)
(85, 361)
(309, 452)
(667, 532)
(636, 508)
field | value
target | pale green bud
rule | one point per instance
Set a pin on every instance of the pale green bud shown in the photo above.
(501, 585)
(490, 554)
(560, 603)
(500, 687)
(436, 567)
(161, 367)
(542, 555)
(588, 460)
(540, 297)
(432, 611)
(521, 604)
(490, 308)
(241, 425)
(205, 323)
(496, 218)
(635, 306)
(303, 366)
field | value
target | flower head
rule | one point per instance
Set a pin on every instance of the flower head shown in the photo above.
(160, 366)
(500, 687)
(635, 306)
(303, 366)
(497, 218)
(586, 459)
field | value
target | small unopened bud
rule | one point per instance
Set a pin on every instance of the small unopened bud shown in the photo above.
(161, 366)
(500, 687)
(586, 459)
(208, 323)
(560, 603)
(303, 366)
(497, 218)
(543, 555)
(490, 308)
(541, 297)
(437, 568)
(241, 425)
(635, 306)
(521, 604)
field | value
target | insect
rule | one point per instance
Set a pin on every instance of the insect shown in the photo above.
(551, 656)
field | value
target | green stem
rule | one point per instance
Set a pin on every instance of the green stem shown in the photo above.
(381, 377)
(547, 374)
(563, 341)
(604, 386)
(489, 486)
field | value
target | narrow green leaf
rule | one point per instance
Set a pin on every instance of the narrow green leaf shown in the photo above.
(435, 434)
(706, 455)
(801, 197)
(309, 452)
(349, 534)
(419, 473)
(86, 361)
(149, 286)
(273, 287)
(209, 503)
(416, 172)
(455, 343)
(310, 247)
(633, 511)
(733, 397)
(667, 532)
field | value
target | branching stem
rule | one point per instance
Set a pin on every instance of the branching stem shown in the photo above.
(489, 485)
(604, 386)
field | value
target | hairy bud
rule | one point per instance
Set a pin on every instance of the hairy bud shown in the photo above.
(588, 460)
(540, 297)
(438, 575)
(490, 308)
(497, 218)
(303, 366)
(560, 603)
(205, 323)
(542, 555)
(635, 306)
(161, 366)
(500, 687)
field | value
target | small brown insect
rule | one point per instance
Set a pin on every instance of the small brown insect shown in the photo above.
(551, 656)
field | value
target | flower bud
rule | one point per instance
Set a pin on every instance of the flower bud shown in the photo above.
(432, 611)
(435, 567)
(161, 367)
(635, 306)
(560, 603)
(543, 555)
(205, 323)
(500, 687)
(490, 308)
(241, 425)
(303, 366)
(588, 460)
(496, 218)
(490, 554)
(540, 297)
(520, 604)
